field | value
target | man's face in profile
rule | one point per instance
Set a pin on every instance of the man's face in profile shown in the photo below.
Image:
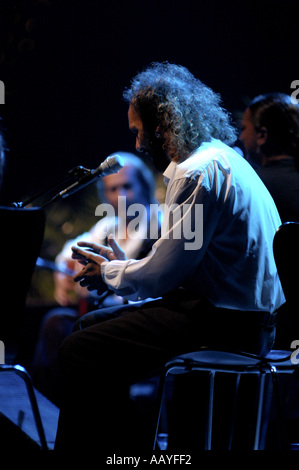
(147, 140)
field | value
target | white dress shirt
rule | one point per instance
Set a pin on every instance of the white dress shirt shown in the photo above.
(234, 265)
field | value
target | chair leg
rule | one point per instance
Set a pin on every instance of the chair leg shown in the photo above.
(160, 396)
(234, 412)
(24, 375)
(280, 420)
(261, 394)
(209, 429)
(21, 372)
(268, 393)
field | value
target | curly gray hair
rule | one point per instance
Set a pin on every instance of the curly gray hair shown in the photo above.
(186, 110)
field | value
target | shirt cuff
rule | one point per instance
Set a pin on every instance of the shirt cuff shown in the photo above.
(113, 275)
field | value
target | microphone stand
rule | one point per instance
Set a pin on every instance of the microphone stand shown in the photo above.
(82, 177)
(75, 173)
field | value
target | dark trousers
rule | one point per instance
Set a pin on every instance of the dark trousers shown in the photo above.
(102, 360)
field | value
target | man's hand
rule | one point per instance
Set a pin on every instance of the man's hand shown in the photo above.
(67, 292)
(92, 255)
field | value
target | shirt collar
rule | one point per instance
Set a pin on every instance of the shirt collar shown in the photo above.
(169, 172)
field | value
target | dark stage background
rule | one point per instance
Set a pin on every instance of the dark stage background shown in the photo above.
(66, 63)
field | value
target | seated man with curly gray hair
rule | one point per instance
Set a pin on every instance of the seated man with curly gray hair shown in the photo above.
(223, 291)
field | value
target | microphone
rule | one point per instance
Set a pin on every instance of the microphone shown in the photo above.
(109, 166)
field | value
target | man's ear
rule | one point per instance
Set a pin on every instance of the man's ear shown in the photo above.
(262, 136)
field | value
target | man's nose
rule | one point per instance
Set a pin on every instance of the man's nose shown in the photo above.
(139, 147)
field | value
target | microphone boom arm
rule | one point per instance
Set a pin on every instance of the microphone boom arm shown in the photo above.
(111, 165)
(84, 177)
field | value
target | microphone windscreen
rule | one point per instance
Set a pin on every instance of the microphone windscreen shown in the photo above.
(111, 165)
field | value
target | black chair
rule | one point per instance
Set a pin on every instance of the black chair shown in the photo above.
(21, 238)
(286, 255)
(213, 360)
(238, 363)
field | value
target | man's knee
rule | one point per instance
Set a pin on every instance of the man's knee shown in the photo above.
(58, 321)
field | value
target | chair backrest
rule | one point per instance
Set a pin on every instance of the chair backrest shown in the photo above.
(286, 254)
(21, 237)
